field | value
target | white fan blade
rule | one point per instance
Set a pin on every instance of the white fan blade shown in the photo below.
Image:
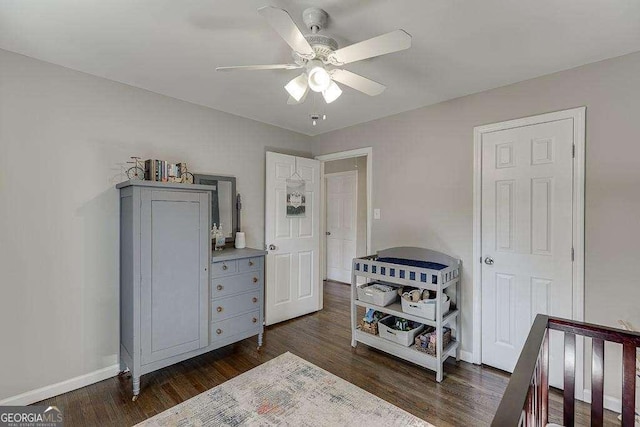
(260, 67)
(358, 82)
(387, 43)
(281, 21)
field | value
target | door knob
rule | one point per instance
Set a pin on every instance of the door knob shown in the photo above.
(488, 260)
(272, 247)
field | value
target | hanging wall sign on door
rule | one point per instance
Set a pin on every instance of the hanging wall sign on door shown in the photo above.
(296, 203)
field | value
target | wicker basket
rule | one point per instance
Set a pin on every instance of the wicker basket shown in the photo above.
(370, 328)
(429, 338)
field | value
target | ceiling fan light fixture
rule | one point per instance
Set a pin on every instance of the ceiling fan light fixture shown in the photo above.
(315, 52)
(298, 87)
(331, 93)
(319, 78)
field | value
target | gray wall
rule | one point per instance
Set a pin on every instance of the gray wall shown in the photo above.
(357, 164)
(63, 135)
(423, 176)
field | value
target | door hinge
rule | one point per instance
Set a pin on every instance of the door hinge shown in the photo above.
(573, 151)
(573, 254)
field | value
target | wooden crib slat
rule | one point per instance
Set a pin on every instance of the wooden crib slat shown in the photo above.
(544, 380)
(628, 384)
(597, 382)
(528, 417)
(569, 378)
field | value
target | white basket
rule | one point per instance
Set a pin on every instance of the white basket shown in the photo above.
(426, 308)
(405, 338)
(377, 298)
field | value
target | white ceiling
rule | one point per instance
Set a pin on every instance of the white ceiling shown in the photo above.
(459, 47)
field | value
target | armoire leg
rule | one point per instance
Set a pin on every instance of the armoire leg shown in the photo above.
(136, 387)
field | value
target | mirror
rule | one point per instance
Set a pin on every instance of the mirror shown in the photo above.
(223, 202)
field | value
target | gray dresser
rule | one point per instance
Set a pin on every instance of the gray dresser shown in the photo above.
(178, 299)
(237, 295)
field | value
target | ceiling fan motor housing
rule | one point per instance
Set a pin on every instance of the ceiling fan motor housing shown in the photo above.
(322, 45)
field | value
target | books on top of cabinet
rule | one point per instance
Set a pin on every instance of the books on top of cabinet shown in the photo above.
(163, 171)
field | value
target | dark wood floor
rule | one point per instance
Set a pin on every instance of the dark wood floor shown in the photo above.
(468, 396)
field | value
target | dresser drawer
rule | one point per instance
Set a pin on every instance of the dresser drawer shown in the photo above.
(235, 325)
(224, 308)
(231, 285)
(250, 264)
(224, 268)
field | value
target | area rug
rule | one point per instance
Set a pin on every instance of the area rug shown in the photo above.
(287, 391)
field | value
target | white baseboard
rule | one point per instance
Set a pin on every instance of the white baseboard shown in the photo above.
(612, 403)
(71, 384)
(467, 356)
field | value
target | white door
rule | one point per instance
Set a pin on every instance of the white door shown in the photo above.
(293, 242)
(527, 176)
(342, 198)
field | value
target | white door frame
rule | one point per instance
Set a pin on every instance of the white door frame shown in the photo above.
(358, 152)
(324, 212)
(578, 117)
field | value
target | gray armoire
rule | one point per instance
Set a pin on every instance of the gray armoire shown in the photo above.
(167, 303)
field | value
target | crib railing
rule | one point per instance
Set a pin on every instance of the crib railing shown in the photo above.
(526, 399)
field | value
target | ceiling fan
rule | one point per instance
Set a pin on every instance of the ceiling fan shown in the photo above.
(319, 56)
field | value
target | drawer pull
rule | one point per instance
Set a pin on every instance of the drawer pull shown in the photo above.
(224, 266)
(219, 309)
(219, 287)
(250, 263)
(254, 299)
(219, 331)
(255, 280)
(254, 320)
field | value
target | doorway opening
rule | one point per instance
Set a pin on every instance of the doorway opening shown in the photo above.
(345, 211)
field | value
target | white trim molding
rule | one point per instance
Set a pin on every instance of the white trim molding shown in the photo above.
(578, 117)
(33, 396)
(466, 356)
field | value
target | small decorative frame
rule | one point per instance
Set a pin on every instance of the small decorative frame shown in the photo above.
(296, 198)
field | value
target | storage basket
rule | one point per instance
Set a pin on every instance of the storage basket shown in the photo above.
(428, 340)
(365, 294)
(370, 328)
(426, 308)
(405, 338)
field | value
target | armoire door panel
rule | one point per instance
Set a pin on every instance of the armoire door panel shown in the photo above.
(174, 236)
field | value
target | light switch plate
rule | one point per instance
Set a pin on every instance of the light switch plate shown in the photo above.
(376, 213)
